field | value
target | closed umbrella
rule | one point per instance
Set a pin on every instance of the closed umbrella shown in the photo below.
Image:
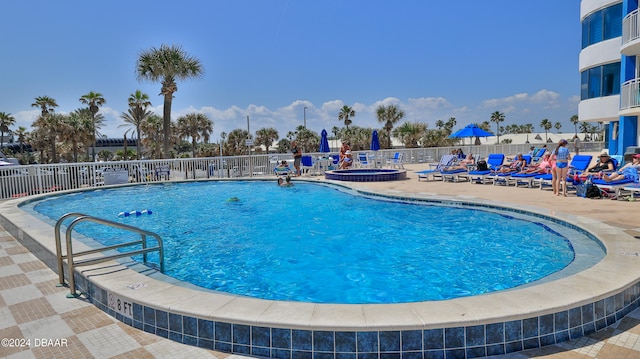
(375, 142)
(324, 142)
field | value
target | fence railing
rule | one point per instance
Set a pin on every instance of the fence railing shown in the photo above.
(20, 181)
(630, 28)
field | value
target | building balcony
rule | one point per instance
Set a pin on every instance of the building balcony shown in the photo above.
(630, 35)
(630, 98)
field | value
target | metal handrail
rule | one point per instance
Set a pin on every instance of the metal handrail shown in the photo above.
(71, 263)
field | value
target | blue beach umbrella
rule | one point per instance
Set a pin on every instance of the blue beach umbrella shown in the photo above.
(375, 143)
(324, 142)
(471, 130)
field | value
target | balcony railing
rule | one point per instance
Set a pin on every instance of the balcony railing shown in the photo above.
(630, 30)
(630, 94)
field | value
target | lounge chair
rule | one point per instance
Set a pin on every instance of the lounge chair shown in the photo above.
(434, 170)
(614, 188)
(505, 178)
(396, 161)
(282, 171)
(306, 164)
(538, 155)
(363, 160)
(494, 161)
(579, 164)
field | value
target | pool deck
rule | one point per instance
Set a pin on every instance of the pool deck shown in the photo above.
(32, 307)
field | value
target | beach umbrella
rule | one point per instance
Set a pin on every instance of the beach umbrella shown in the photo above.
(471, 130)
(375, 143)
(324, 142)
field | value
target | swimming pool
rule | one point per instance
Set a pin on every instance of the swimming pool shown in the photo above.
(549, 311)
(314, 243)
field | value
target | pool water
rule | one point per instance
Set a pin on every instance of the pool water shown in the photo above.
(316, 243)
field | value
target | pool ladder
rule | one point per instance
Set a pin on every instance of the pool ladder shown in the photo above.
(72, 263)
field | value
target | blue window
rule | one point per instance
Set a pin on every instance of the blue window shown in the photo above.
(602, 25)
(611, 79)
(600, 81)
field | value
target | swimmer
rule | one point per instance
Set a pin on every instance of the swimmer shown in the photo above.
(233, 199)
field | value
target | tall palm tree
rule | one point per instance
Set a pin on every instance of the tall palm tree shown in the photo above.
(389, 115)
(546, 125)
(167, 64)
(266, 136)
(136, 114)
(6, 120)
(345, 115)
(497, 117)
(93, 100)
(574, 119)
(196, 126)
(48, 129)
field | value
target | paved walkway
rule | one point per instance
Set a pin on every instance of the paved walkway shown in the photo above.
(38, 321)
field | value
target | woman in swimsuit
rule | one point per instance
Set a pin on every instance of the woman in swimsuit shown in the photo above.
(562, 155)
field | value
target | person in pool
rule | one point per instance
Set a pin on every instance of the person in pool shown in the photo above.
(285, 182)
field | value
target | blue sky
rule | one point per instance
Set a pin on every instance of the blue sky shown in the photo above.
(268, 59)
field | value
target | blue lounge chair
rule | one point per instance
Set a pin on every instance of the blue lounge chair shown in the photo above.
(504, 178)
(494, 161)
(396, 161)
(435, 169)
(363, 160)
(538, 155)
(579, 164)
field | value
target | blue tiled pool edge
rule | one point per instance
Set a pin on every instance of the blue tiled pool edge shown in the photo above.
(458, 341)
(468, 341)
(366, 175)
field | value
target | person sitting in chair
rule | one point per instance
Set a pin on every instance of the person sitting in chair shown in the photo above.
(516, 165)
(462, 164)
(283, 166)
(543, 167)
(628, 171)
(603, 164)
(347, 160)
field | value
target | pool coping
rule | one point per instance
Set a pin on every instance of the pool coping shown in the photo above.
(611, 284)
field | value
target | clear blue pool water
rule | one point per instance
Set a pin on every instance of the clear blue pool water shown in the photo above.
(318, 244)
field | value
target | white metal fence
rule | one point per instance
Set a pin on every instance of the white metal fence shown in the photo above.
(19, 181)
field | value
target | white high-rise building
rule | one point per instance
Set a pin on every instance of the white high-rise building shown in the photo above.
(609, 69)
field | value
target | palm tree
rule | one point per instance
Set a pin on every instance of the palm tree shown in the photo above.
(136, 114)
(47, 134)
(557, 126)
(22, 137)
(196, 126)
(546, 125)
(167, 64)
(235, 144)
(497, 117)
(151, 128)
(75, 127)
(389, 115)
(266, 136)
(6, 120)
(345, 115)
(93, 100)
(410, 133)
(574, 119)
